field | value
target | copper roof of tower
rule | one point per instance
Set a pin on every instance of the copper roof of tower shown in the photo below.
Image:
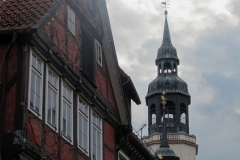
(167, 53)
(167, 50)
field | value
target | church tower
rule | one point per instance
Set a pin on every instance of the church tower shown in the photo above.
(178, 101)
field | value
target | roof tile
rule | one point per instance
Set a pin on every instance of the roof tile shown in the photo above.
(21, 14)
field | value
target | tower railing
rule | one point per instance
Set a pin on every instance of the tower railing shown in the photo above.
(171, 137)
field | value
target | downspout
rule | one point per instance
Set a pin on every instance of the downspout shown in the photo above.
(4, 79)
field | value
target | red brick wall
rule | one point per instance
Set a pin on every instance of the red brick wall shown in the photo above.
(59, 36)
(111, 97)
(51, 142)
(108, 155)
(34, 129)
(63, 38)
(101, 83)
(80, 157)
(66, 152)
(109, 141)
(61, 14)
(46, 29)
(9, 111)
(73, 51)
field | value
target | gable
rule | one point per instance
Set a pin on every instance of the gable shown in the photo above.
(53, 30)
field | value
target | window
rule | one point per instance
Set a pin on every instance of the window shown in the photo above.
(96, 137)
(52, 94)
(122, 156)
(71, 20)
(67, 104)
(98, 49)
(83, 125)
(36, 84)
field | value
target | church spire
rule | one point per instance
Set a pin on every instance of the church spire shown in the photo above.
(166, 33)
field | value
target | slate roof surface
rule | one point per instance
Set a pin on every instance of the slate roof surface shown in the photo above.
(22, 14)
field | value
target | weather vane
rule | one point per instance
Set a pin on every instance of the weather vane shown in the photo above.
(165, 6)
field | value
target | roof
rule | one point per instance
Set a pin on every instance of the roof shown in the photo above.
(128, 84)
(167, 50)
(167, 153)
(22, 14)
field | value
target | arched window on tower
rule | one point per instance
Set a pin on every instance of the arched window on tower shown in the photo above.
(183, 117)
(174, 68)
(153, 118)
(153, 114)
(167, 67)
(170, 113)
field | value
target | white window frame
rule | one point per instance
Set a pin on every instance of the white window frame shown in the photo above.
(33, 53)
(98, 129)
(56, 90)
(98, 50)
(123, 154)
(71, 20)
(85, 115)
(69, 102)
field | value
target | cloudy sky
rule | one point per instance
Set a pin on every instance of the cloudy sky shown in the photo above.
(206, 34)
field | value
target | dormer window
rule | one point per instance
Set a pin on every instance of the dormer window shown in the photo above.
(71, 20)
(98, 50)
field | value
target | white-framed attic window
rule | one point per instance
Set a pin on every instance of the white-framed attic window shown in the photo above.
(98, 50)
(71, 20)
(35, 91)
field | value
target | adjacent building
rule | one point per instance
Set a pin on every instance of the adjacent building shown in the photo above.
(63, 94)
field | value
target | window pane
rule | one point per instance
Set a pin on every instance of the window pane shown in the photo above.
(34, 61)
(49, 77)
(69, 129)
(37, 106)
(68, 113)
(49, 105)
(32, 99)
(54, 117)
(39, 65)
(64, 110)
(79, 130)
(68, 94)
(33, 81)
(49, 114)
(53, 80)
(64, 91)
(64, 126)
(38, 85)
(98, 138)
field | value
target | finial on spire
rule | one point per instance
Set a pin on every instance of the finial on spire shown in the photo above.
(165, 12)
(165, 6)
